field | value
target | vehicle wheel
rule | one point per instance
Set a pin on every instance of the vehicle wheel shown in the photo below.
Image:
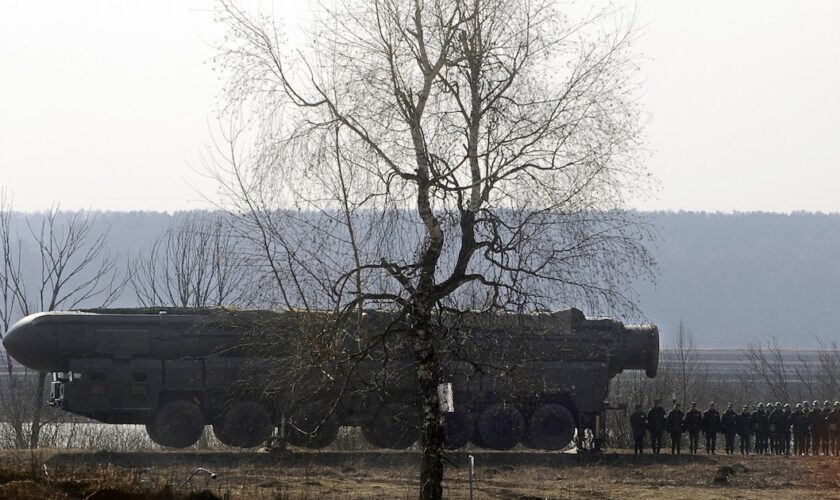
(176, 424)
(150, 430)
(311, 429)
(551, 427)
(246, 424)
(395, 426)
(219, 432)
(458, 430)
(500, 426)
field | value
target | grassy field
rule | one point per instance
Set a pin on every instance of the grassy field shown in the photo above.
(46, 474)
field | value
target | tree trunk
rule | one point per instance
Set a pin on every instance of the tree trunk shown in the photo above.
(17, 425)
(35, 434)
(429, 375)
(14, 408)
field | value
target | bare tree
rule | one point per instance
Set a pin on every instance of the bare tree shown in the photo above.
(767, 363)
(828, 368)
(432, 157)
(14, 405)
(790, 375)
(685, 354)
(73, 268)
(9, 268)
(196, 263)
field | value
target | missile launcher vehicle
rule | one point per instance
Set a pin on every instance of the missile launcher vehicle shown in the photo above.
(531, 379)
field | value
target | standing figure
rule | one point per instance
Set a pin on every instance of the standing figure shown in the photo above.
(816, 421)
(638, 425)
(711, 426)
(744, 423)
(834, 429)
(729, 423)
(826, 423)
(760, 426)
(806, 409)
(786, 430)
(675, 424)
(771, 433)
(799, 422)
(693, 424)
(656, 424)
(777, 428)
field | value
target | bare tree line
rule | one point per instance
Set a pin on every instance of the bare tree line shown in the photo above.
(197, 262)
(797, 379)
(768, 374)
(74, 267)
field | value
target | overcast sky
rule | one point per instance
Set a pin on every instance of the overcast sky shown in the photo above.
(108, 104)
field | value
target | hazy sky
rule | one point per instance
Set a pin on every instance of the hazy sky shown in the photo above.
(108, 104)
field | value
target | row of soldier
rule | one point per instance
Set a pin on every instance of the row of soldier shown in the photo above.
(775, 428)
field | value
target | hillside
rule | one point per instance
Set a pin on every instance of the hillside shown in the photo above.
(733, 278)
(737, 278)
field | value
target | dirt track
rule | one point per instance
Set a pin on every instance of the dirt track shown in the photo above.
(256, 475)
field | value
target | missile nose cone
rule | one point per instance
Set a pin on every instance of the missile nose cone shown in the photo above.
(15, 339)
(30, 345)
(11, 341)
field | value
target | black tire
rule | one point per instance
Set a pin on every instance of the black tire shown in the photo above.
(551, 427)
(219, 432)
(177, 424)
(150, 430)
(395, 426)
(246, 424)
(459, 430)
(311, 429)
(500, 426)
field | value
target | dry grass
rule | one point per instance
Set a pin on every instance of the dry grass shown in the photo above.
(257, 476)
(26, 476)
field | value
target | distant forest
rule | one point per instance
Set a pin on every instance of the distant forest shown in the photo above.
(733, 279)
(744, 277)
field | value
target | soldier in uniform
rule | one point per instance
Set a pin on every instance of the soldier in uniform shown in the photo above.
(693, 424)
(674, 423)
(711, 427)
(806, 409)
(826, 423)
(729, 423)
(760, 425)
(815, 420)
(656, 424)
(777, 428)
(834, 429)
(744, 423)
(638, 424)
(786, 430)
(771, 435)
(799, 422)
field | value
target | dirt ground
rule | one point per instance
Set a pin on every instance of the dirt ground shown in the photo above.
(69, 474)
